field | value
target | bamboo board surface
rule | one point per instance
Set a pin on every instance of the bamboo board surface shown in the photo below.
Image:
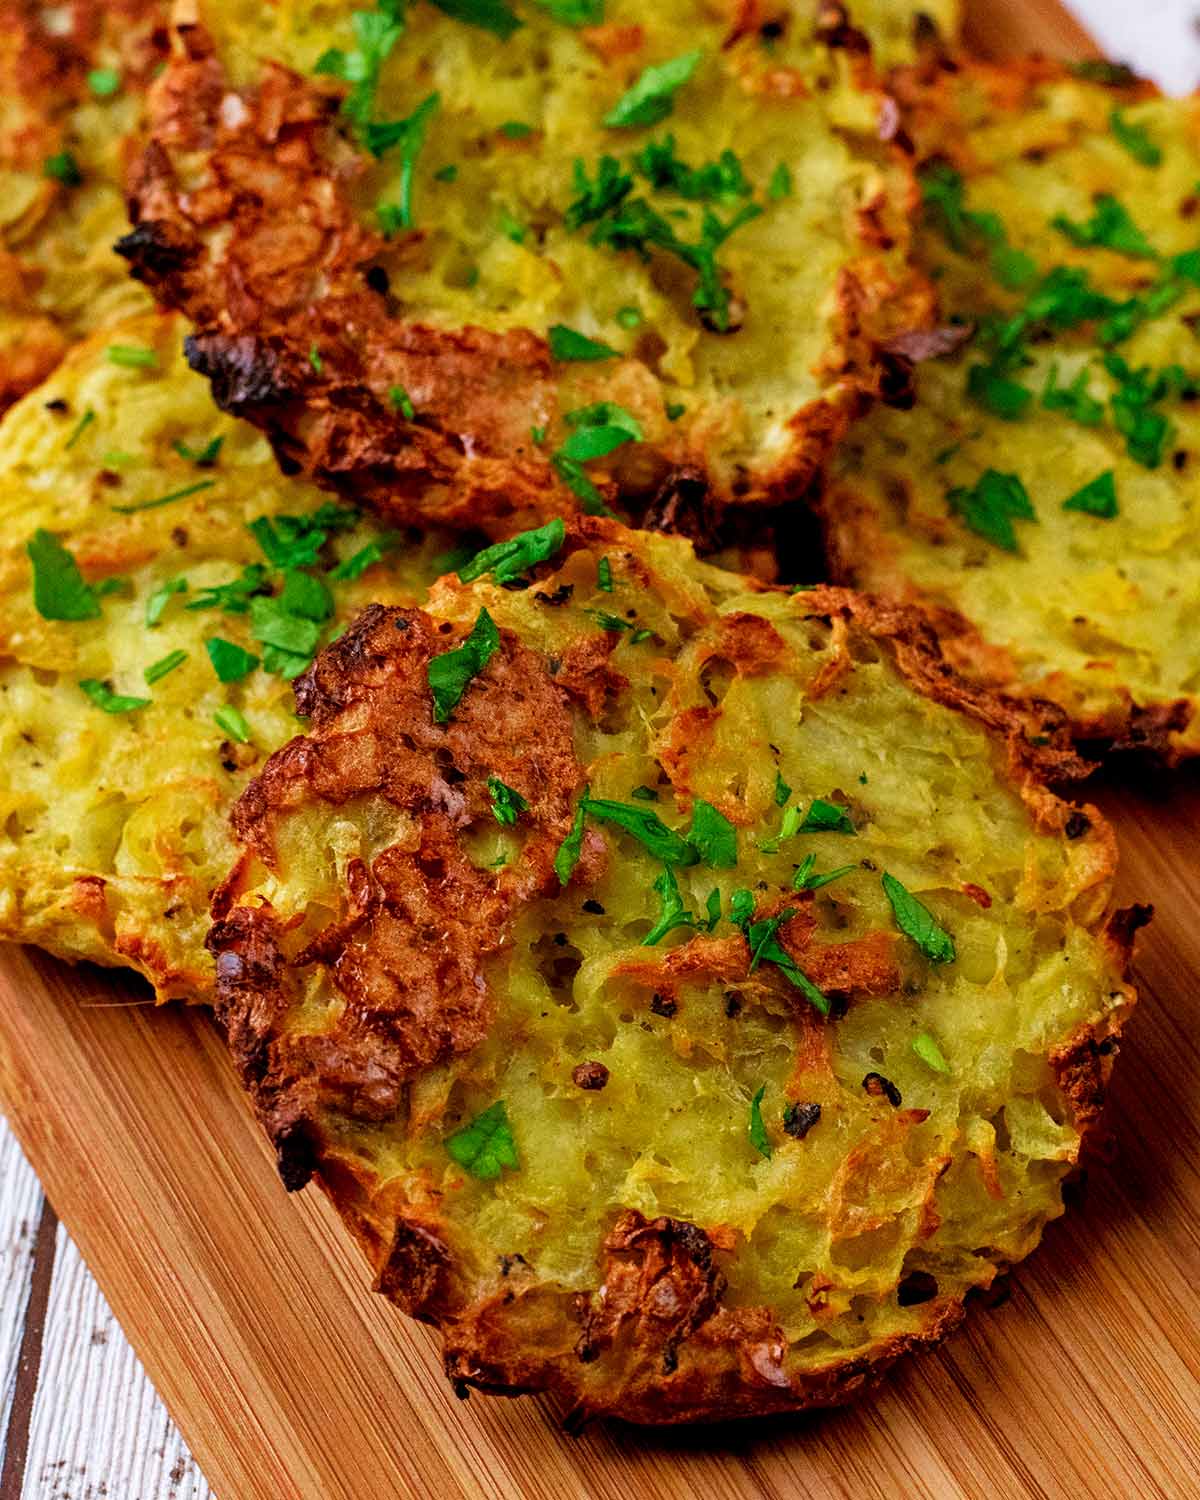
(291, 1382)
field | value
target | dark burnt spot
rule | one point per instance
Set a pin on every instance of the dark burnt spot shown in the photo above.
(683, 506)
(154, 251)
(799, 1119)
(593, 907)
(1077, 825)
(882, 1088)
(915, 1288)
(591, 1076)
(560, 595)
(56, 404)
(507, 1262)
(897, 387)
(378, 280)
(733, 1005)
(663, 1005)
(295, 1156)
(243, 372)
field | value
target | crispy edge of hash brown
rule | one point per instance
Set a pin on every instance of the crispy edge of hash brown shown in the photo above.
(271, 155)
(661, 1282)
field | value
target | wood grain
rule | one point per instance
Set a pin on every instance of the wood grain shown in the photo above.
(291, 1382)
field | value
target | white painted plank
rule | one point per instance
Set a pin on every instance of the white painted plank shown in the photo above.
(98, 1428)
(20, 1208)
(1156, 37)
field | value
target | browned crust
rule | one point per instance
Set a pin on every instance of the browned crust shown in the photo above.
(294, 273)
(653, 1340)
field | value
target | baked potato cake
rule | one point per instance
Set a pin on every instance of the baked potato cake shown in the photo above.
(687, 991)
(72, 88)
(160, 586)
(425, 286)
(1043, 496)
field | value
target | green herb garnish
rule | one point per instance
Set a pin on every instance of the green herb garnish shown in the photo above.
(925, 1046)
(990, 507)
(575, 12)
(203, 458)
(103, 697)
(713, 836)
(604, 578)
(402, 401)
(507, 804)
(1073, 399)
(80, 428)
(672, 913)
(485, 1146)
(1135, 139)
(1110, 227)
(567, 344)
(508, 560)
(159, 669)
(571, 847)
(131, 356)
(450, 674)
(758, 1131)
(490, 15)
(652, 96)
(826, 817)
(1097, 498)
(376, 32)
(233, 722)
(104, 82)
(229, 661)
(167, 499)
(805, 880)
(357, 563)
(59, 590)
(917, 922)
(62, 167)
(157, 603)
(780, 185)
(645, 826)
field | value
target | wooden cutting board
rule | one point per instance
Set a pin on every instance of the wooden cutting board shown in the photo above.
(291, 1381)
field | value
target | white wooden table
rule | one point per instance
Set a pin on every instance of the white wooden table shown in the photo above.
(78, 1418)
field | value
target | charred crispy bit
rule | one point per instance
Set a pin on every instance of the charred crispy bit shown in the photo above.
(746, 322)
(63, 148)
(470, 873)
(1028, 500)
(160, 778)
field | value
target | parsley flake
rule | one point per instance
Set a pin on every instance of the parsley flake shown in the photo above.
(604, 577)
(450, 673)
(80, 428)
(104, 82)
(507, 804)
(62, 167)
(157, 603)
(159, 669)
(575, 12)
(168, 499)
(1097, 498)
(357, 563)
(652, 97)
(229, 661)
(131, 356)
(713, 836)
(485, 1146)
(1110, 227)
(758, 1131)
(990, 507)
(490, 15)
(805, 880)
(376, 32)
(103, 697)
(571, 847)
(233, 722)
(507, 560)
(59, 590)
(568, 344)
(672, 913)
(826, 817)
(647, 827)
(917, 922)
(1135, 139)
(203, 458)
(924, 1044)
(402, 401)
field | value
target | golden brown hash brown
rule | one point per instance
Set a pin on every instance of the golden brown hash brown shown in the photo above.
(427, 371)
(72, 88)
(686, 991)
(114, 815)
(1041, 497)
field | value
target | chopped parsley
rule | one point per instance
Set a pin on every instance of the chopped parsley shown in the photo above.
(826, 817)
(80, 428)
(758, 1131)
(296, 541)
(1135, 139)
(574, 12)
(713, 836)
(59, 590)
(233, 722)
(104, 82)
(782, 791)
(765, 948)
(722, 179)
(516, 130)
(1096, 498)
(604, 578)
(234, 597)
(203, 458)
(448, 173)
(167, 499)
(925, 1045)
(401, 400)
(806, 880)
(376, 32)
(1073, 399)
(229, 661)
(644, 794)
(409, 135)
(1133, 403)
(507, 804)
(944, 197)
(917, 922)
(672, 913)
(571, 847)
(647, 827)
(991, 505)
(508, 560)
(490, 15)
(629, 318)
(1110, 227)
(996, 392)
(103, 697)
(131, 356)
(159, 669)
(574, 476)
(450, 673)
(598, 431)
(357, 563)
(62, 167)
(780, 185)
(567, 344)
(315, 360)
(486, 1145)
(157, 603)
(652, 97)
(512, 229)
